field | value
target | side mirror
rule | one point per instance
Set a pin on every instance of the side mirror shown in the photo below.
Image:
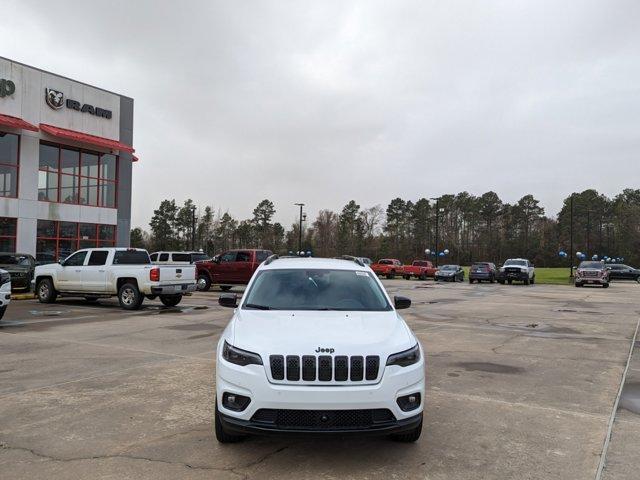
(229, 300)
(216, 259)
(401, 302)
(532, 265)
(61, 262)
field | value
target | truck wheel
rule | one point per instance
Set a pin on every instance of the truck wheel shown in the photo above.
(221, 434)
(407, 277)
(422, 277)
(2, 310)
(130, 297)
(510, 282)
(409, 436)
(527, 281)
(501, 282)
(604, 285)
(391, 275)
(225, 288)
(45, 291)
(204, 284)
(170, 300)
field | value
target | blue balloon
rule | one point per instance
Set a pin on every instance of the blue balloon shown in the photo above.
(562, 253)
(441, 254)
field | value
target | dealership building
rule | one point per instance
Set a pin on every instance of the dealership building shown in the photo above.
(65, 164)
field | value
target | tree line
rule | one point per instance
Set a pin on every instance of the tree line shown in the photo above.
(472, 228)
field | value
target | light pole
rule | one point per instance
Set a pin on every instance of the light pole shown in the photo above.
(437, 199)
(193, 228)
(571, 236)
(300, 228)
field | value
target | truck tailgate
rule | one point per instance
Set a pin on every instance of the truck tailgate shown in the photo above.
(177, 274)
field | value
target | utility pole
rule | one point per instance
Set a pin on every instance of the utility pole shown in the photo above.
(571, 236)
(437, 215)
(300, 228)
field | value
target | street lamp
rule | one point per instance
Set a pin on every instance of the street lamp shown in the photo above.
(193, 228)
(437, 199)
(300, 228)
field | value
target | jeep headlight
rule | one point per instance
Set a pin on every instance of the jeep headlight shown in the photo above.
(5, 278)
(406, 358)
(502, 269)
(240, 357)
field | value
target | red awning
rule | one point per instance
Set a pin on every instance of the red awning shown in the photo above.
(85, 138)
(134, 158)
(15, 122)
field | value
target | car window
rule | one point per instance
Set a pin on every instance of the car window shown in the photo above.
(243, 257)
(197, 257)
(98, 257)
(164, 257)
(262, 255)
(181, 257)
(153, 257)
(318, 289)
(385, 262)
(228, 257)
(131, 257)
(76, 259)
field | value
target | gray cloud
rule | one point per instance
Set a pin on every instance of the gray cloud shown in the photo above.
(323, 102)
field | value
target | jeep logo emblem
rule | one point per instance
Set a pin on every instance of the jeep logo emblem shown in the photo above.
(325, 350)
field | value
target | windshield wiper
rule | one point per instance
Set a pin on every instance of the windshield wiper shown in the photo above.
(257, 306)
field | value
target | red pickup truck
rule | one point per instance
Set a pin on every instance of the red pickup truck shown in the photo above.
(388, 267)
(420, 269)
(234, 267)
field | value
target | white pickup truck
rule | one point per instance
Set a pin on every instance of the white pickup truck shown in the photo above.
(127, 273)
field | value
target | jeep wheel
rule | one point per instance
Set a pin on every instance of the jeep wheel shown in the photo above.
(45, 291)
(409, 436)
(221, 434)
(2, 310)
(130, 297)
(204, 284)
(170, 300)
(605, 285)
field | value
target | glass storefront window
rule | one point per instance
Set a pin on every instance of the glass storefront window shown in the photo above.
(8, 230)
(76, 176)
(58, 240)
(9, 164)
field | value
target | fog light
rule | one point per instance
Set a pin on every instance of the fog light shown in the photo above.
(409, 402)
(235, 402)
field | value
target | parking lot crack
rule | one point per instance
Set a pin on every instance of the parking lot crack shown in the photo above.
(258, 461)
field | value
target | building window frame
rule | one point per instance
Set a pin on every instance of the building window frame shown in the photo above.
(85, 235)
(15, 166)
(11, 238)
(97, 181)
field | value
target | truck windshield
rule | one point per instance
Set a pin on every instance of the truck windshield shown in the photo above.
(131, 257)
(321, 289)
(597, 265)
(518, 263)
(13, 260)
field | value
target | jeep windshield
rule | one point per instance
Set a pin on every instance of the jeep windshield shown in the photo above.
(516, 263)
(317, 289)
(449, 268)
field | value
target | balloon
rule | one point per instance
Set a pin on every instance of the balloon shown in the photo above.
(562, 253)
(427, 251)
(441, 254)
(578, 254)
(595, 257)
(433, 254)
(446, 251)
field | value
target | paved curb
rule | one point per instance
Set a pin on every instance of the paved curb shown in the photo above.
(22, 296)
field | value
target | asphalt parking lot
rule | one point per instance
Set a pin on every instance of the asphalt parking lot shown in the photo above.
(522, 383)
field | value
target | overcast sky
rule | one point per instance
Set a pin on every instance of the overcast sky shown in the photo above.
(324, 102)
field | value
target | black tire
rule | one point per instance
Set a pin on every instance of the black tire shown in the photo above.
(221, 434)
(171, 300)
(91, 299)
(409, 436)
(604, 285)
(407, 277)
(527, 281)
(391, 275)
(204, 283)
(578, 285)
(151, 297)
(225, 288)
(422, 277)
(471, 280)
(3, 309)
(492, 280)
(45, 291)
(533, 280)
(130, 297)
(510, 282)
(501, 282)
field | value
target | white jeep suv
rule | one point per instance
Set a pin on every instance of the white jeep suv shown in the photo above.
(317, 346)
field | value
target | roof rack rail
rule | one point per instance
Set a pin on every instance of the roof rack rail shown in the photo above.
(271, 258)
(351, 258)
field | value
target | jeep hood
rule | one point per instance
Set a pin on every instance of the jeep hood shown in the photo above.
(303, 332)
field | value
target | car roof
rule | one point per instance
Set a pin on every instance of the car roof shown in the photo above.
(312, 262)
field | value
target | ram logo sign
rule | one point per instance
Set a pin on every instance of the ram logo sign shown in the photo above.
(54, 98)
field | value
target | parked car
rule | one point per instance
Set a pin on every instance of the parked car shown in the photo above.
(519, 269)
(483, 272)
(591, 273)
(366, 261)
(127, 273)
(419, 269)
(21, 267)
(5, 291)
(292, 360)
(234, 267)
(177, 258)
(618, 271)
(388, 267)
(450, 273)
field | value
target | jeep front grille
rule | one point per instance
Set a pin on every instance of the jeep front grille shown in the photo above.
(323, 419)
(324, 368)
